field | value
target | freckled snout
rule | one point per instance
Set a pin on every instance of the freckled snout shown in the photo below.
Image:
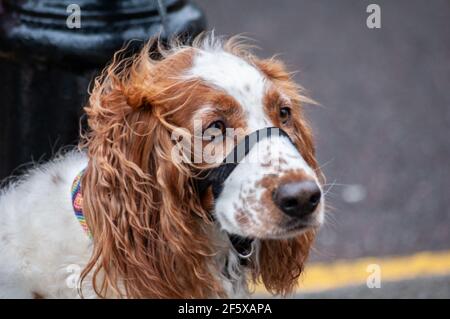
(297, 199)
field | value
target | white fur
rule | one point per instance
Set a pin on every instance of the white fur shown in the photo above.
(246, 84)
(39, 235)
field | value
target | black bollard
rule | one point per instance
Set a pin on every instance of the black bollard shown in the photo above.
(46, 65)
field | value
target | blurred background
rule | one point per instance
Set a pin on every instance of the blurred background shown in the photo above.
(382, 129)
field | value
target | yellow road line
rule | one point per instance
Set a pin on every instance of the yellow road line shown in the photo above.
(323, 276)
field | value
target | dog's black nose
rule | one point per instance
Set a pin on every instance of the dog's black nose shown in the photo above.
(297, 199)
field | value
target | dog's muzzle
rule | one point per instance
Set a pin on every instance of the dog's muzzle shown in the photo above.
(216, 177)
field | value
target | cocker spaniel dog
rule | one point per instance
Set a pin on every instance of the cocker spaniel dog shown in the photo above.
(196, 178)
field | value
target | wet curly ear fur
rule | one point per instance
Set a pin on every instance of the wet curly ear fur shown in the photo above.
(149, 231)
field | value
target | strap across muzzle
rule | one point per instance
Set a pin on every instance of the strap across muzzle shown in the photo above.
(215, 177)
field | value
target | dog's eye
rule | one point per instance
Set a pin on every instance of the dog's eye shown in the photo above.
(218, 125)
(285, 114)
(215, 129)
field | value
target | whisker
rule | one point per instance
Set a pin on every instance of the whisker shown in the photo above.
(336, 184)
(329, 188)
(324, 164)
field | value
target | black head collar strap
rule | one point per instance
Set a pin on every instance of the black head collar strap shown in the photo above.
(215, 178)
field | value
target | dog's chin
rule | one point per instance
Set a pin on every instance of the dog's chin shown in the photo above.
(292, 231)
(287, 231)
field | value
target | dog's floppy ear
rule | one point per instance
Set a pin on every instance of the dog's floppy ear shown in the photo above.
(149, 231)
(281, 262)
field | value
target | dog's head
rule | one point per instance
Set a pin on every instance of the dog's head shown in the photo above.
(155, 126)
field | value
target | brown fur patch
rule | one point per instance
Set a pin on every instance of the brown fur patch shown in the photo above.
(270, 183)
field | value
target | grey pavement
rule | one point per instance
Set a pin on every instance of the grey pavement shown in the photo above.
(383, 127)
